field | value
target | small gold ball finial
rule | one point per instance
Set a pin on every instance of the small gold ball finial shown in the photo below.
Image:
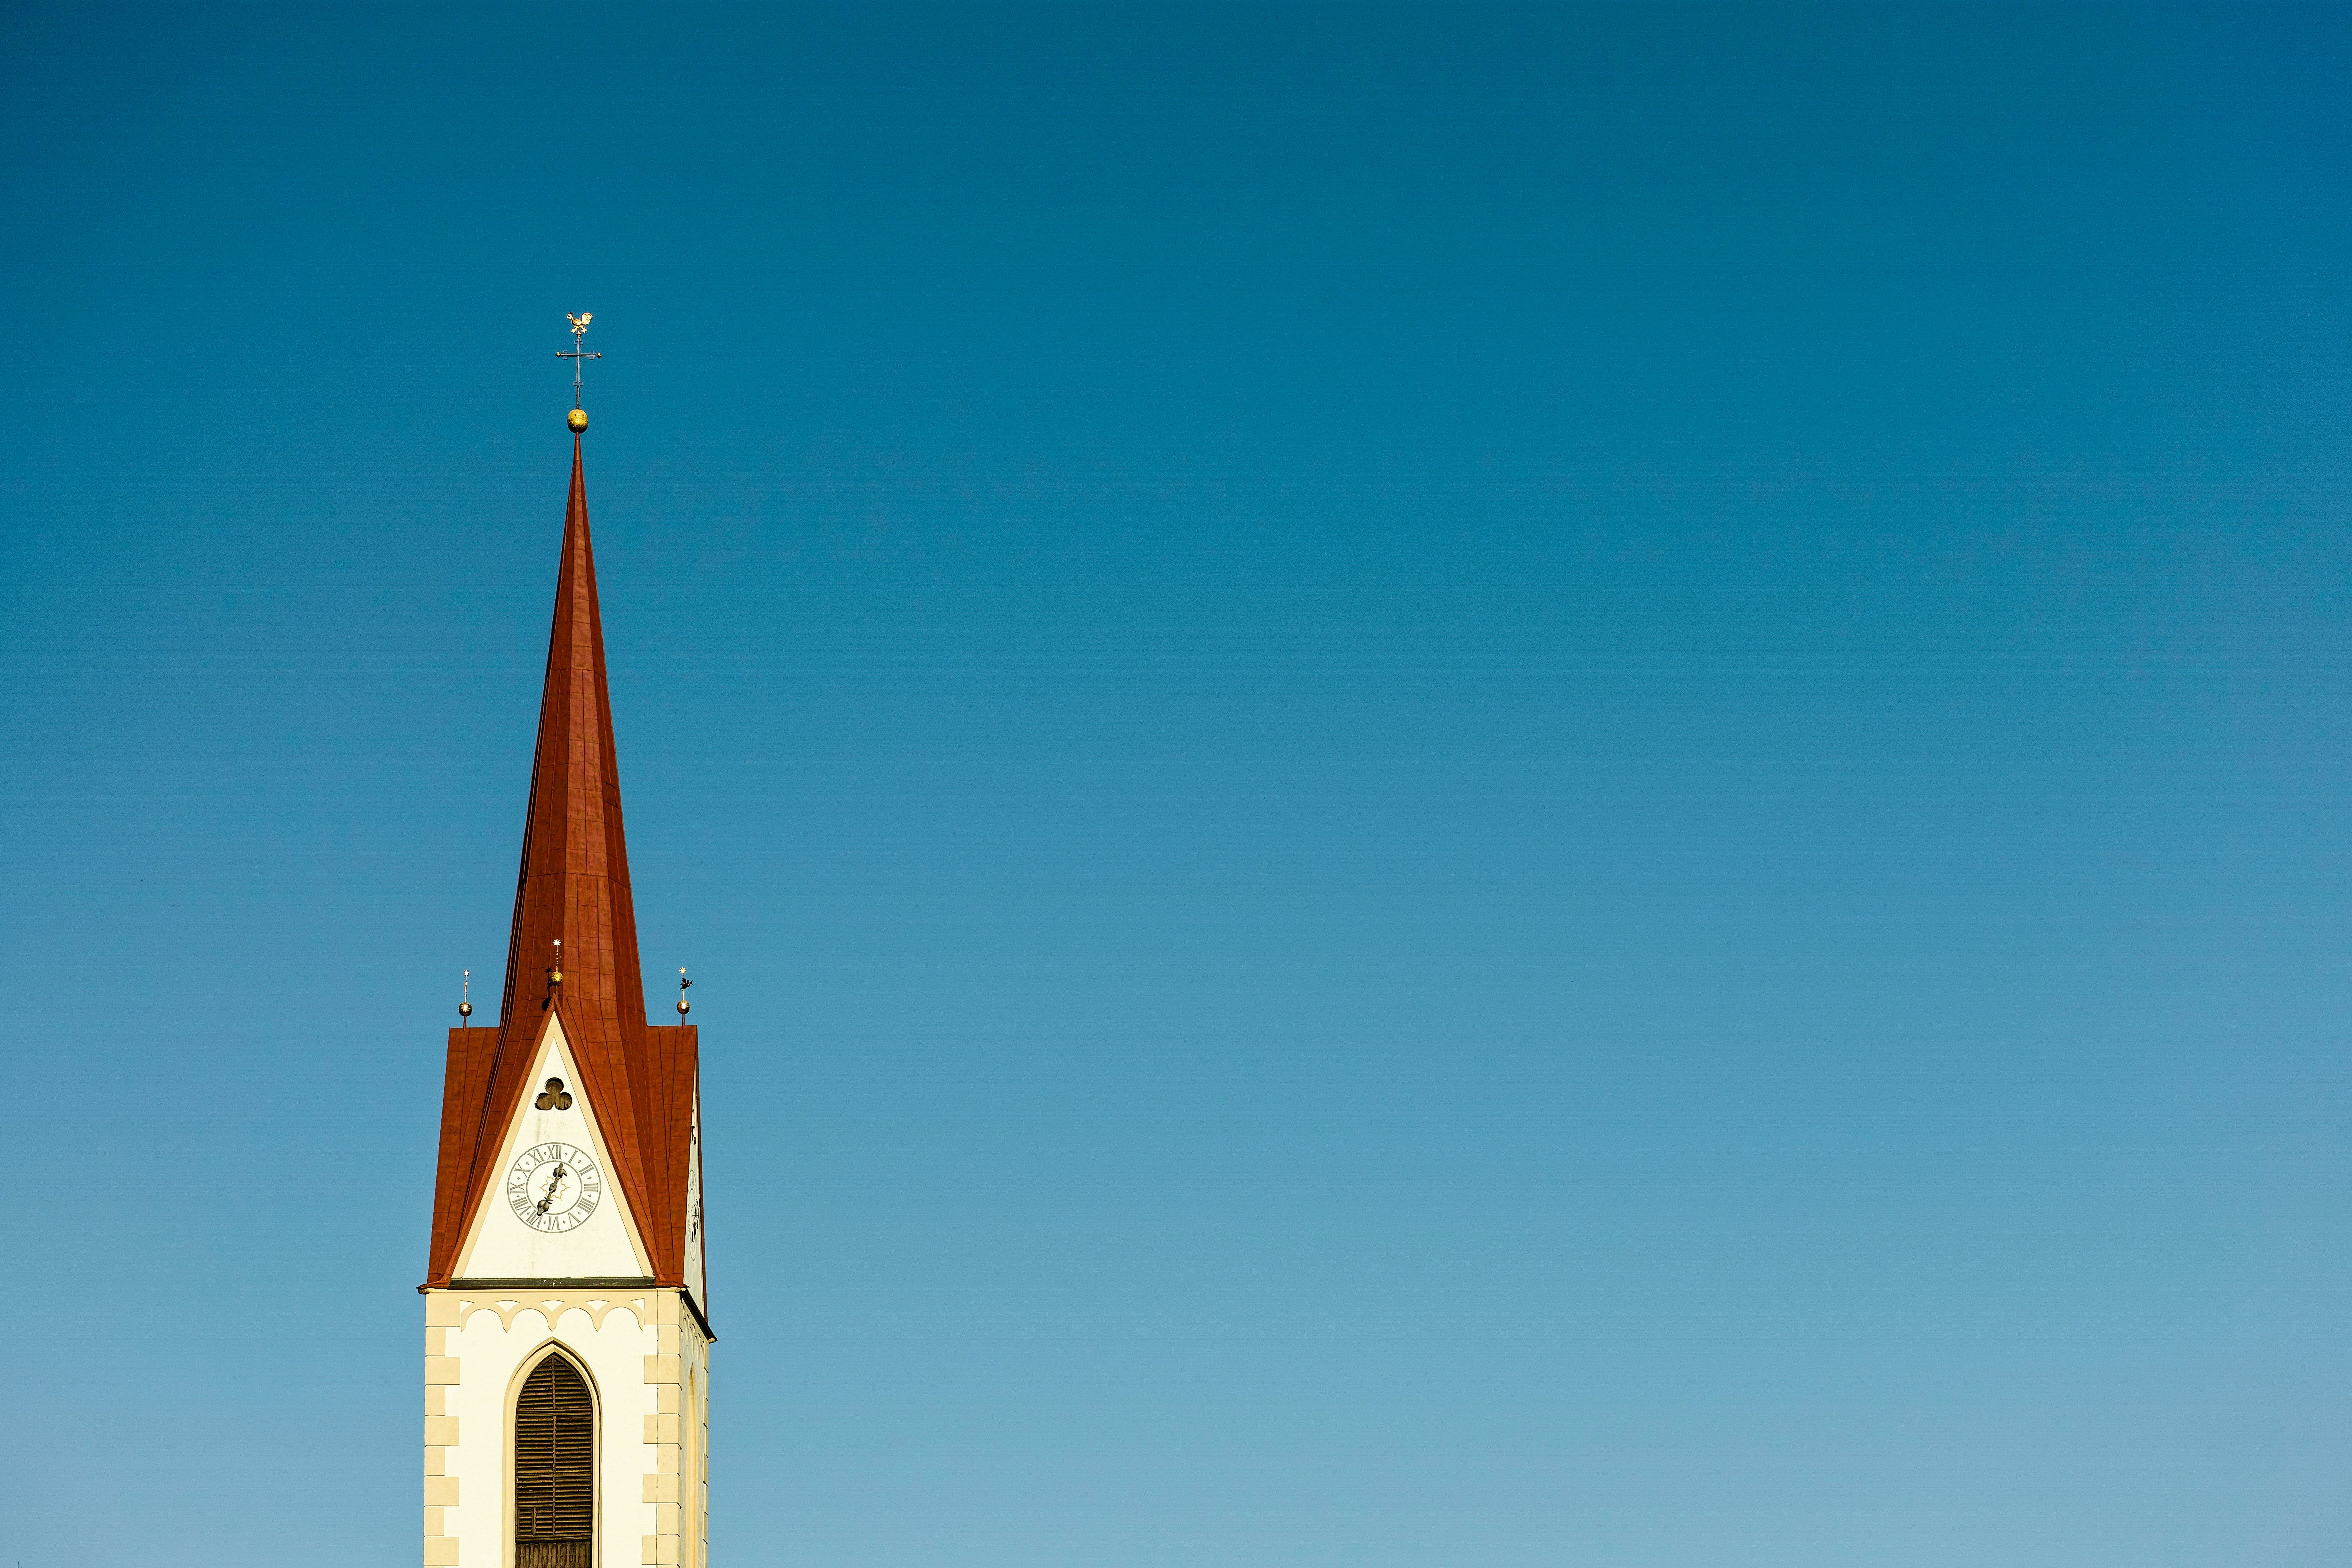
(577, 419)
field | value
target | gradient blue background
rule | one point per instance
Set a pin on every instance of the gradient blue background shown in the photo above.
(1452, 787)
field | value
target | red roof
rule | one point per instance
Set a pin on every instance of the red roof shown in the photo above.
(573, 887)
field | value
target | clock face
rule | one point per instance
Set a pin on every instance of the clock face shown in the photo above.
(554, 1187)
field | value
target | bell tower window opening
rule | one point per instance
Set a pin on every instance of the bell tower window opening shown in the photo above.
(555, 1468)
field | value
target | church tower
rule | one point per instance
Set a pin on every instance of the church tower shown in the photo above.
(567, 1330)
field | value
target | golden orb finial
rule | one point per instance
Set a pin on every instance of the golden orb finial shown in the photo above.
(579, 355)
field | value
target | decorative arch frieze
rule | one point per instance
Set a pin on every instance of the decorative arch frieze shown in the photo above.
(552, 1308)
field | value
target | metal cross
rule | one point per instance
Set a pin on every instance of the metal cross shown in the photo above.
(579, 349)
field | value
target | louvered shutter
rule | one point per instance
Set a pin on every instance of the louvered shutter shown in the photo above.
(555, 1468)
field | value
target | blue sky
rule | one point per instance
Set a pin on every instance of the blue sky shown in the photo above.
(1450, 787)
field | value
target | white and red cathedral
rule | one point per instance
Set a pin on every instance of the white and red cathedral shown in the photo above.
(567, 1327)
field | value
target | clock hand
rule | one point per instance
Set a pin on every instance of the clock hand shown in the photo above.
(554, 1183)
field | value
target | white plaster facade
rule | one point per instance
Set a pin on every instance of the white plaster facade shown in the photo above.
(648, 1363)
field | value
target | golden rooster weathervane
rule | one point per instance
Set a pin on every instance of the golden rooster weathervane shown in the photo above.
(578, 353)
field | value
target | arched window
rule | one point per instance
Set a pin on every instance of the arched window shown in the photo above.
(555, 1468)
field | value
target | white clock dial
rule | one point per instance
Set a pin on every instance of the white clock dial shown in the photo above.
(554, 1187)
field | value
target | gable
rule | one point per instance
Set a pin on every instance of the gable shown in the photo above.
(643, 1103)
(545, 1212)
(696, 1280)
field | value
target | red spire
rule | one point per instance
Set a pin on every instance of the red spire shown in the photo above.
(573, 887)
(574, 883)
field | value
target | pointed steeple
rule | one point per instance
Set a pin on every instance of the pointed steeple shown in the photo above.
(573, 888)
(574, 883)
